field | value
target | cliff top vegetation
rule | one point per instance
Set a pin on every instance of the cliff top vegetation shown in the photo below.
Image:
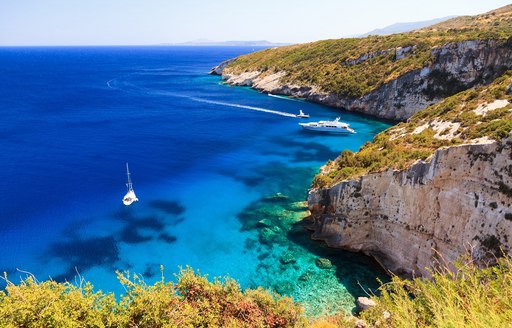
(471, 116)
(353, 67)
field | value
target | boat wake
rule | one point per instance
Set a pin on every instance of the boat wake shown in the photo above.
(123, 84)
(286, 98)
(109, 84)
(259, 109)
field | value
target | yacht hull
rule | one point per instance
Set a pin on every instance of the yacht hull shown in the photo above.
(129, 198)
(327, 129)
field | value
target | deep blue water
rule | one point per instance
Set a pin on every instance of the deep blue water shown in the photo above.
(201, 153)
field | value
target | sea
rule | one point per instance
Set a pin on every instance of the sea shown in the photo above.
(221, 173)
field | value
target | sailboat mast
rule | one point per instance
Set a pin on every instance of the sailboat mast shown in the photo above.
(129, 184)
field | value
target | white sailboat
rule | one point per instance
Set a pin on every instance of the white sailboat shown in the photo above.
(130, 197)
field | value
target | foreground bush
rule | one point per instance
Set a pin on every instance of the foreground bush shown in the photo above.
(467, 297)
(191, 302)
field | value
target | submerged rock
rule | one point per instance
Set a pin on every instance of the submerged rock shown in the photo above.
(250, 244)
(267, 236)
(298, 206)
(265, 223)
(263, 256)
(306, 276)
(288, 258)
(323, 263)
(277, 197)
(284, 288)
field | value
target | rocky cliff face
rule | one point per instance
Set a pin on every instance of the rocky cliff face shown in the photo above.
(459, 202)
(217, 70)
(454, 67)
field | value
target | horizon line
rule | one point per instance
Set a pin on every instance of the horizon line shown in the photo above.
(134, 45)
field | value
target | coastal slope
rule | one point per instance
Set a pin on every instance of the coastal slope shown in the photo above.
(391, 76)
(425, 191)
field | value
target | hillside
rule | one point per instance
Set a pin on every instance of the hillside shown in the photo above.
(339, 66)
(437, 186)
(390, 76)
(472, 116)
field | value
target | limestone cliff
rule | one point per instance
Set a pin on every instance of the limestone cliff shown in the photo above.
(438, 185)
(459, 201)
(453, 67)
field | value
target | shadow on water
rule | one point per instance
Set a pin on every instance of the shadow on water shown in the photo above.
(169, 207)
(152, 269)
(84, 254)
(131, 235)
(167, 238)
(305, 151)
(80, 254)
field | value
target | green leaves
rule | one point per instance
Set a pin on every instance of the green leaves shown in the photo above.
(465, 297)
(193, 301)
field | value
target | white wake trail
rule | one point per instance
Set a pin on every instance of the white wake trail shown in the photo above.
(113, 84)
(259, 109)
(284, 97)
(108, 84)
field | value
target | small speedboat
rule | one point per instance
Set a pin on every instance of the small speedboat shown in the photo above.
(328, 126)
(302, 114)
(130, 197)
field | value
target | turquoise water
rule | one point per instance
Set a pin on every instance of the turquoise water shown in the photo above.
(221, 173)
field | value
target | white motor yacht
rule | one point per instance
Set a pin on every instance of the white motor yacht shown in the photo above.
(130, 197)
(328, 126)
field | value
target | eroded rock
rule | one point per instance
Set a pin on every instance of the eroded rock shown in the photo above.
(406, 219)
(323, 263)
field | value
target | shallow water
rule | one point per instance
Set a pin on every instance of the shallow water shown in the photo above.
(207, 162)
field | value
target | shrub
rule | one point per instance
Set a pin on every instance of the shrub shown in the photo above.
(468, 296)
(192, 301)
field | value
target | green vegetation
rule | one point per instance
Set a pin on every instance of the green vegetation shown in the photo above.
(466, 296)
(452, 121)
(353, 67)
(191, 302)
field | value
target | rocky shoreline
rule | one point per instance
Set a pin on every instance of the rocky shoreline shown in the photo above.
(455, 67)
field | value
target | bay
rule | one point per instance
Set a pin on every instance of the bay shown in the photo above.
(221, 173)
